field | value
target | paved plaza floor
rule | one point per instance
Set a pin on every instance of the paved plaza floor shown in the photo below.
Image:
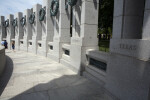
(39, 78)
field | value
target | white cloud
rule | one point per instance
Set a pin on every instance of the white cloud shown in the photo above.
(13, 6)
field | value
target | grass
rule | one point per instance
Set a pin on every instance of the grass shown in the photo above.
(104, 45)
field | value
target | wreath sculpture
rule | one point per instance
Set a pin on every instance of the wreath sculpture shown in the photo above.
(42, 13)
(71, 3)
(14, 22)
(31, 18)
(23, 21)
(54, 7)
(6, 23)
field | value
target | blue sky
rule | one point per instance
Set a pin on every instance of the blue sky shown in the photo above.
(13, 6)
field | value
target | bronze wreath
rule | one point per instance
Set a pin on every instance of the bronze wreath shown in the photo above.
(31, 18)
(6, 23)
(14, 22)
(42, 13)
(54, 7)
(23, 21)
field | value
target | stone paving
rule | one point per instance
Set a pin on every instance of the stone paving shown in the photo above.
(39, 78)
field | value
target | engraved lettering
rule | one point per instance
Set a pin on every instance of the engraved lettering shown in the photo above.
(127, 47)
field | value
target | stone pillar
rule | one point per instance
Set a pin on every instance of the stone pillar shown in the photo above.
(18, 31)
(128, 19)
(146, 22)
(30, 42)
(128, 66)
(85, 25)
(27, 34)
(127, 27)
(2, 29)
(47, 29)
(61, 32)
(36, 28)
(10, 31)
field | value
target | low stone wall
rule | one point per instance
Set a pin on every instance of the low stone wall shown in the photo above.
(2, 59)
(96, 68)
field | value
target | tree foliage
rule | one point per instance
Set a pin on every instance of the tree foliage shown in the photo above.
(105, 16)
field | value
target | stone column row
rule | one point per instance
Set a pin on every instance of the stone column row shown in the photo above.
(54, 32)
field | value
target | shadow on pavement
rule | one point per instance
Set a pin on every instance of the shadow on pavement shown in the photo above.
(67, 87)
(4, 79)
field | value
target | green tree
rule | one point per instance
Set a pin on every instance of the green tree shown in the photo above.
(105, 16)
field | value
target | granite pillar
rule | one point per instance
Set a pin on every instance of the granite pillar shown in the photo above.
(18, 30)
(27, 34)
(61, 32)
(36, 30)
(47, 29)
(2, 29)
(128, 66)
(85, 24)
(10, 31)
